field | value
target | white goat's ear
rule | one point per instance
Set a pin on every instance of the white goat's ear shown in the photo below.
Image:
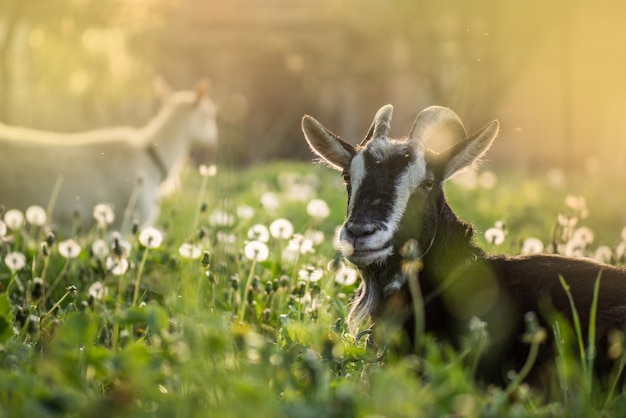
(469, 151)
(326, 144)
(202, 89)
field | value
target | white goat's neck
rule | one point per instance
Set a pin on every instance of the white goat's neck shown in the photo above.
(167, 136)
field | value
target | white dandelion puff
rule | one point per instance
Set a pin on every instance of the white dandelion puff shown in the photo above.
(603, 254)
(310, 273)
(583, 234)
(346, 276)
(494, 236)
(69, 248)
(318, 209)
(259, 232)
(256, 251)
(270, 201)
(100, 248)
(245, 211)
(281, 228)
(317, 237)
(3, 229)
(36, 215)
(103, 214)
(208, 171)
(623, 234)
(15, 261)
(150, 237)
(97, 290)
(187, 250)
(532, 246)
(220, 217)
(117, 265)
(14, 219)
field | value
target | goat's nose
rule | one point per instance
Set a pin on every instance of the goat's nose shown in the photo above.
(359, 230)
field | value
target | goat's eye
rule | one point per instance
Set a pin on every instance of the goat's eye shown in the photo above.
(346, 178)
(427, 185)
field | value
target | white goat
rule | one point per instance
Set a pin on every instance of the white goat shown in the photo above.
(103, 165)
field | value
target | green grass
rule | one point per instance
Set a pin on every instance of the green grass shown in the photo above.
(224, 335)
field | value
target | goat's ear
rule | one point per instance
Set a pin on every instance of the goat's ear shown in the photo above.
(326, 144)
(469, 151)
(202, 89)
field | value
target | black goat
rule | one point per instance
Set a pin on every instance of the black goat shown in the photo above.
(395, 196)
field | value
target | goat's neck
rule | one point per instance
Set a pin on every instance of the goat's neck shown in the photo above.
(167, 135)
(453, 248)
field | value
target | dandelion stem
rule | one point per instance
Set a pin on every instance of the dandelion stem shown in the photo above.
(201, 193)
(132, 202)
(139, 274)
(530, 361)
(54, 195)
(58, 278)
(244, 300)
(576, 321)
(57, 304)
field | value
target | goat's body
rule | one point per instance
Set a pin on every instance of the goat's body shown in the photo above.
(89, 173)
(101, 166)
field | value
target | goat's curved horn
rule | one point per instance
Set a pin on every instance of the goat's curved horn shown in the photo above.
(431, 119)
(381, 125)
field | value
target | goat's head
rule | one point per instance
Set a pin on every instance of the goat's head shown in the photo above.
(386, 176)
(199, 111)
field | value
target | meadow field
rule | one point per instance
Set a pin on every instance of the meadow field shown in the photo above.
(233, 304)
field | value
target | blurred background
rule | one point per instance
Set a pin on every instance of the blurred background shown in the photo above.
(553, 72)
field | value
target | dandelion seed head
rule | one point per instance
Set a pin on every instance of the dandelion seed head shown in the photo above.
(494, 236)
(623, 234)
(310, 274)
(281, 228)
(259, 232)
(188, 250)
(36, 215)
(117, 265)
(318, 209)
(15, 261)
(566, 221)
(14, 219)
(220, 217)
(532, 246)
(226, 237)
(103, 214)
(208, 171)
(575, 248)
(270, 201)
(347, 276)
(583, 234)
(317, 237)
(69, 248)
(100, 248)
(150, 237)
(3, 229)
(256, 251)
(245, 212)
(97, 290)
(603, 254)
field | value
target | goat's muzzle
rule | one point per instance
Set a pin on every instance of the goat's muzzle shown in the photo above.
(365, 243)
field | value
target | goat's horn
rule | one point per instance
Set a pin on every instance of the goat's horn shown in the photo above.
(431, 119)
(381, 125)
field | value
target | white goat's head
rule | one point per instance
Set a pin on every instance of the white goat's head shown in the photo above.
(386, 176)
(196, 105)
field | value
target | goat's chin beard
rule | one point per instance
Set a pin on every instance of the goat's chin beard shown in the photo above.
(368, 257)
